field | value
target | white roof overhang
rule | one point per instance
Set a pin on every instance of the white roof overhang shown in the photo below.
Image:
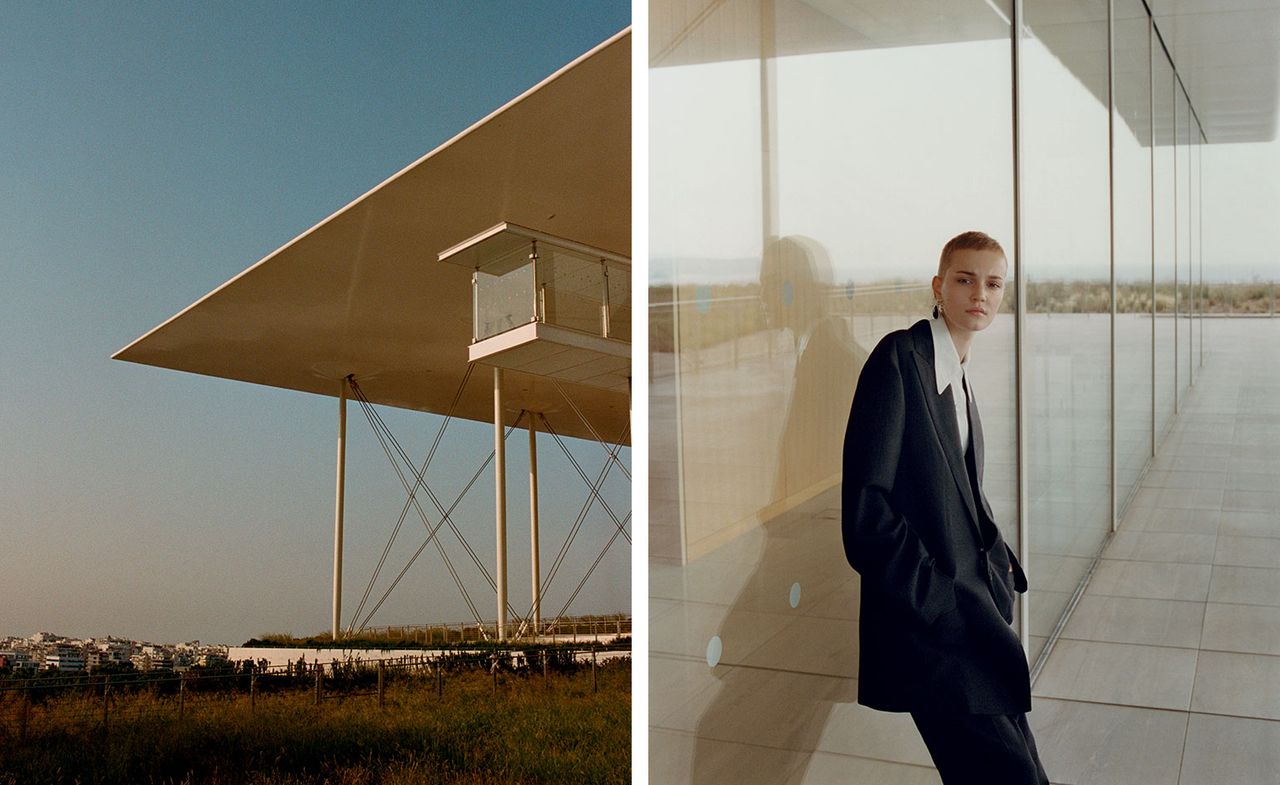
(363, 293)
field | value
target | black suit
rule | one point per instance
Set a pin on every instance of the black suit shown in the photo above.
(937, 588)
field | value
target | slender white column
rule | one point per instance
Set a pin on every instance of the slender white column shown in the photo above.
(338, 508)
(533, 522)
(500, 489)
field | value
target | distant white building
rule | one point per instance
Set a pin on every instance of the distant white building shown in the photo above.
(16, 659)
(65, 658)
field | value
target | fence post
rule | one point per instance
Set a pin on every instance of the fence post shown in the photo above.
(182, 694)
(493, 668)
(26, 709)
(319, 678)
(545, 680)
(439, 680)
(595, 685)
(253, 691)
(106, 696)
(382, 685)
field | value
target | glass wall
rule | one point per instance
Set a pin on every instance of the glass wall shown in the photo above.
(1066, 257)
(802, 192)
(807, 163)
(1132, 210)
(1182, 245)
(1164, 213)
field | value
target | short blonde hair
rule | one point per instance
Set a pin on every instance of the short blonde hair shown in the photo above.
(967, 241)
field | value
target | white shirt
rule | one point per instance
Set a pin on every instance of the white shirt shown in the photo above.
(950, 372)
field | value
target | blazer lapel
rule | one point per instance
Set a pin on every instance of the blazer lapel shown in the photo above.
(943, 413)
(975, 423)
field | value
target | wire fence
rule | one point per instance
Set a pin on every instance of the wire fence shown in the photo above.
(38, 707)
(565, 629)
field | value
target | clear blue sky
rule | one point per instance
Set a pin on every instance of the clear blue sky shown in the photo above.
(148, 155)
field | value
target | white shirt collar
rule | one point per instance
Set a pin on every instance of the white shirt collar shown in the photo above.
(946, 359)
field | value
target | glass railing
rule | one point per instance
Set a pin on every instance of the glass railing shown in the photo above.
(503, 302)
(556, 286)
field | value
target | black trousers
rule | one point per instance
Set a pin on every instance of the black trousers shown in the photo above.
(981, 749)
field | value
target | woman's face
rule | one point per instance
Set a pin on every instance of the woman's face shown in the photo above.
(971, 288)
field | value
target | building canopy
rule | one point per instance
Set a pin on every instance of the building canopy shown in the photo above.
(363, 293)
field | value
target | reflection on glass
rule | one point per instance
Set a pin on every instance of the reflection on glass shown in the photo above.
(808, 160)
(571, 291)
(619, 285)
(799, 200)
(503, 302)
(1182, 245)
(1066, 259)
(1133, 245)
(1163, 212)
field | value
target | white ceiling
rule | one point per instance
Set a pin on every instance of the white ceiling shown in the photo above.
(1228, 55)
(1226, 51)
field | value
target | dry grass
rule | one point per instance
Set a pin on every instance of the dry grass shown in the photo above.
(524, 733)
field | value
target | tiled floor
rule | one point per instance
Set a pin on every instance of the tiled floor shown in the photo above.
(1168, 671)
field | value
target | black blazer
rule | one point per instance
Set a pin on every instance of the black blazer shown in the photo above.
(937, 591)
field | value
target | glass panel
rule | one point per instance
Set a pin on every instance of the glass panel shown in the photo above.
(571, 289)
(1164, 207)
(1134, 321)
(503, 302)
(619, 302)
(1197, 287)
(799, 202)
(1182, 169)
(1067, 261)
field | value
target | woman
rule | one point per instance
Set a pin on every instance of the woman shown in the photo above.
(938, 580)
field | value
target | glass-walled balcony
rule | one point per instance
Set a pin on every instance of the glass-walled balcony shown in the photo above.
(541, 282)
(548, 306)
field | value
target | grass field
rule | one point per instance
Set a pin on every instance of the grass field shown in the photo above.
(524, 732)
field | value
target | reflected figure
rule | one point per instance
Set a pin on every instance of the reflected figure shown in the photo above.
(785, 653)
(796, 291)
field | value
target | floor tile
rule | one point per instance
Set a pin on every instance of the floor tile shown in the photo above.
(1254, 629)
(1186, 479)
(1251, 585)
(1179, 498)
(825, 768)
(1151, 579)
(854, 730)
(1249, 524)
(1161, 546)
(683, 759)
(1094, 744)
(745, 708)
(1119, 673)
(675, 683)
(1230, 751)
(829, 648)
(1237, 684)
(1251, 501)
(1252, 481)
(1160, 519)
(1248, 552)
(1136, 620)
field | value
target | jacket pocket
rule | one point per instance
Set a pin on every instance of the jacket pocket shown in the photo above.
(1001, 582)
